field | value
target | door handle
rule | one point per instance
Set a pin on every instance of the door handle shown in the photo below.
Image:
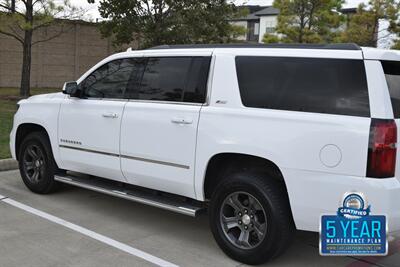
(110, 115)
(181, 121)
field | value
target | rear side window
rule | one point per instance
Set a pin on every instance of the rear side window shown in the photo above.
(392, 73)
(177, 79)
(196, 85)
(334, 86)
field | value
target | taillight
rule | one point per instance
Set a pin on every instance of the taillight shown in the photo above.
(382, 149)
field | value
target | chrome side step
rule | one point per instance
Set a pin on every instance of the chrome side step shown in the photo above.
(147, 197)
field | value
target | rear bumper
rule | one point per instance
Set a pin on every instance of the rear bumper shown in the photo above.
(313, 194)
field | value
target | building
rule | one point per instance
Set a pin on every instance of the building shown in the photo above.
(264, 19)
(260, 20)
(61, 59)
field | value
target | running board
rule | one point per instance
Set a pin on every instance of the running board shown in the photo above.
(145, 196)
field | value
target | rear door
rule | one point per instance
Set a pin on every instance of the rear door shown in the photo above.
(392, 73)
(159, 126)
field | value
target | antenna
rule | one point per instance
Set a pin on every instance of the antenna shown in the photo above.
(129, 49)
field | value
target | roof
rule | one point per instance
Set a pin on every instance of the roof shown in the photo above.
(380, 54)
(267, 11)
(248, 17)
(347, 10)
(251, 9)
(346, 46)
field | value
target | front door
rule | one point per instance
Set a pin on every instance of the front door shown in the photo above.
(89, 127)
(159, 126)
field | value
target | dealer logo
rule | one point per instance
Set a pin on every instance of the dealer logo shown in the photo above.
(353, 206)
(353, 230)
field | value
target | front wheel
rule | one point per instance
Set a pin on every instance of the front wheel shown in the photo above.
(36, 164)
(250, 217)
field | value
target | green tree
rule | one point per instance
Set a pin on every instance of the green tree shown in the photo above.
(308, 21)
(395, 25)
(363, 27)
(156, 22)
(270, 38)
(22, 19)
(237, 31)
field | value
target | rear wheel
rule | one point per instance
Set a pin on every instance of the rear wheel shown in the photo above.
(250, 217)
(36, 163)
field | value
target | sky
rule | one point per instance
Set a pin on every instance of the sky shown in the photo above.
(93, 14)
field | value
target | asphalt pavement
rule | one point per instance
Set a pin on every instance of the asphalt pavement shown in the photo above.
(77, 227)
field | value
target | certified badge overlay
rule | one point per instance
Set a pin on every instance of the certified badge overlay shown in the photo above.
(353, 231)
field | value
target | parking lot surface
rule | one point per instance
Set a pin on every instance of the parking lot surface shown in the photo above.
(77, 227)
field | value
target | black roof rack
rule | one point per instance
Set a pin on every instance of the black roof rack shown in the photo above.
(348, 46)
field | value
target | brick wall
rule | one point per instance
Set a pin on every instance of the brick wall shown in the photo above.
(62, 59)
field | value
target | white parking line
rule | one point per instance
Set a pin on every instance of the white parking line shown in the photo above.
(104, 239)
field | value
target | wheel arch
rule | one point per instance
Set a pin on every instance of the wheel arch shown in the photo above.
(23, 130)
(222, 163)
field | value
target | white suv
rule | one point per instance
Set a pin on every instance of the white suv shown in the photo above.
(267, 138)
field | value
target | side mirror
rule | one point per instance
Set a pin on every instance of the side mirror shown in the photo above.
(72, 89)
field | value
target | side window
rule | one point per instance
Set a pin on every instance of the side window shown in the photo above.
(392, 73)
(178, 79)
(334, 86)
(196, 86)
(110, 80)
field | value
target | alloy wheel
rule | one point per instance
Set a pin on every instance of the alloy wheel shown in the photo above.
(33, 163)
(243, 220)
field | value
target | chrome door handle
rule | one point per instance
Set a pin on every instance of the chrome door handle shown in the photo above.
(181, 121)
(110, 115)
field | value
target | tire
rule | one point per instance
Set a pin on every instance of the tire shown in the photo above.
(269, 221)
(36, 163)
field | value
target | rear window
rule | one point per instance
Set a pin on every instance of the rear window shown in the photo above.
(334, 86)
(392, 73)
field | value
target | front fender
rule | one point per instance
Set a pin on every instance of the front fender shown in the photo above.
(42, 113)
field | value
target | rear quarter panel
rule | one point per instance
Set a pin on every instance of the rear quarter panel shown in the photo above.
(312, 150)
(292, 140)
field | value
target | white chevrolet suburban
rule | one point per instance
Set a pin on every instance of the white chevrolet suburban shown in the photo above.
(265, 137)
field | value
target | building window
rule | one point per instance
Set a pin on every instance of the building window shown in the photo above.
(269, 29)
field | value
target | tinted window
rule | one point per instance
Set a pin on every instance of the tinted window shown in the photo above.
(174, 79)
(392, 73)
(132, 90)
(110, 80)
(334, 86)
(196, 86)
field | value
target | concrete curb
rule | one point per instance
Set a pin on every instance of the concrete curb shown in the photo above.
(8, 164)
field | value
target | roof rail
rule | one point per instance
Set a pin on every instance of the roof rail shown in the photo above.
(344, 46)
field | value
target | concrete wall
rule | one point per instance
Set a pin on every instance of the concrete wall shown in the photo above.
(62, 59)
